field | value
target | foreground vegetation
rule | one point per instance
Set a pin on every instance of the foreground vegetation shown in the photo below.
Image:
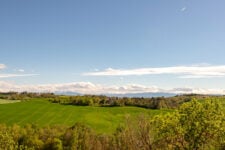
(47, 121)
(195, 125)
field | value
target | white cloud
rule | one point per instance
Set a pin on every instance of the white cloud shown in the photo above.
(3, 75)
(197, 71)
(199, 76)
(78, 87)
(21, 70)
(197, 91)
(16, 75)
(183, 9)
(90, 88)
(2, 66)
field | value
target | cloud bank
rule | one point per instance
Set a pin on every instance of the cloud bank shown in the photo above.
(200, 71)
(90, 88)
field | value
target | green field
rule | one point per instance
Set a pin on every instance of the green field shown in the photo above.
(3, 101)
(42, 112)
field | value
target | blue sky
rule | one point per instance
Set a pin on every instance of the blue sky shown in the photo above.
(64, 41)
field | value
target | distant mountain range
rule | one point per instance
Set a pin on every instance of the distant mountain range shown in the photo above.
(149, 94)
(143, 95)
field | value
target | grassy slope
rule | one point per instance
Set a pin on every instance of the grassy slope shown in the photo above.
(40, 112)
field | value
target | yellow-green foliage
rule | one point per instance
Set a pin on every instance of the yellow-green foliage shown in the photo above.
(194, 125)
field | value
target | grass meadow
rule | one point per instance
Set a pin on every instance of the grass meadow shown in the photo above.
(42, 113)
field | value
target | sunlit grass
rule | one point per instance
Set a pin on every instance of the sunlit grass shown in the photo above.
(42, 113)
(3, 101)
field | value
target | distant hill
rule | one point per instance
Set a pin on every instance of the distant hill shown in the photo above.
(68, 93)
(145, 95)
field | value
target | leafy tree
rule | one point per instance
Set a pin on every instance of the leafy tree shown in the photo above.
(194, 126)
(6, 139)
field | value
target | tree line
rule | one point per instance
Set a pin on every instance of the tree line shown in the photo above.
(105, 101)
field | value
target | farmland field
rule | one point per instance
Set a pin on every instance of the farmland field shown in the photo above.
(42, 113)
